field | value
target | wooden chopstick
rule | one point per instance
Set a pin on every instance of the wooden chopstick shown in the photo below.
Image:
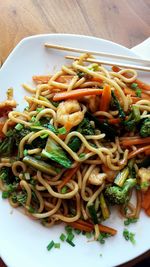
(102, 54)
(104, 62)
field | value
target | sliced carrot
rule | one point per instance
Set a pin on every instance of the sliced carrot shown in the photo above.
(41, 78)
(81, 227)
(102, 228)
(64, 78)
(116, 68)
(131, 92)
(147, 152)
(96, 79)
(135, 99)
(76, 94)
(138, 151)
(69, 174)
(114, 121)
(135, 141)
(106, 98)
(142, 85)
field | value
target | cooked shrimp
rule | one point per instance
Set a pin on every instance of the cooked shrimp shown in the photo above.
(97, 178)
(92, 102)
(69, 112)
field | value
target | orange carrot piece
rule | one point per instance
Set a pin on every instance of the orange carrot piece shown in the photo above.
(81, 227)
(147, 152)
(131, 92)
(138, 151)
(69, 174)
(76, 94)
(106, 98)
(142, 85)
(116, 68)
(102, 228)
(135, 99)
(114, 121)
(41, 78)
(135, 141)
(96, 79)
(64, 78)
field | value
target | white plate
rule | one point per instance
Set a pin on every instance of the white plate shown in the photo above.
(23, 241)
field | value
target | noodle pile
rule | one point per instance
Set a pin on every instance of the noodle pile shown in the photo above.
(62, 161)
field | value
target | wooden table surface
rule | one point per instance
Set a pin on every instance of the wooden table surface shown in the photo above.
(126, 22)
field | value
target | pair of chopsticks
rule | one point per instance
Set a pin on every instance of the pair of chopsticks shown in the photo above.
(140, 64)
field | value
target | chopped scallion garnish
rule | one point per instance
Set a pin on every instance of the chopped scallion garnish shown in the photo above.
(39, 109)
(130, 220)
(5, 194)
(138, 92)
(70, 243)
(62, 130)
(25, 152)
(64, 190)
(70, 237)
(134, 85)
(19, 127)
(77, 231)
(129, 236)
(57, 245)
(62, 237)
(68, 229)
(50, 245)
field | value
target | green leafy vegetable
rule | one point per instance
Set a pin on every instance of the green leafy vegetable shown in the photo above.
(115, 103)
(54, 152)
(93, 213)
(103, 127)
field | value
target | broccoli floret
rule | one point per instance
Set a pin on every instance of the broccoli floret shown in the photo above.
(119, 195)
(145, 128)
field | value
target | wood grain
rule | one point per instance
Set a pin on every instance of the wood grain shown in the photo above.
(123, 21)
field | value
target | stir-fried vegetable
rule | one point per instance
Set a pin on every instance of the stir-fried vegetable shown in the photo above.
(39, 165)
(145, 128)
(121, 177)
(54, 152)
(119, 195)
(103, 127)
